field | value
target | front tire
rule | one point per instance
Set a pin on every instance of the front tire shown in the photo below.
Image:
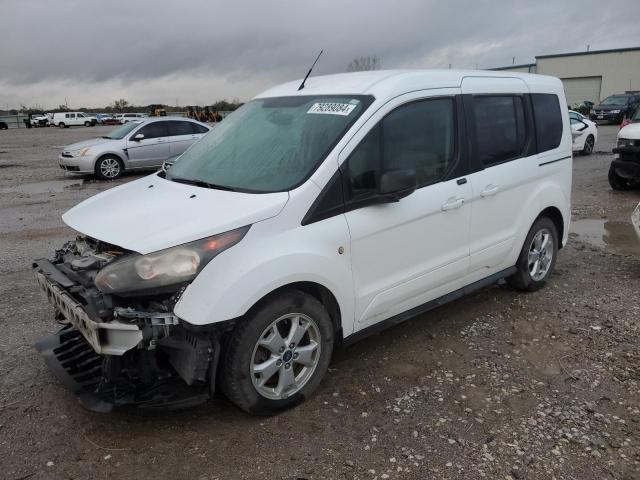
(61, 125)
(87, 124)
(538, 256)
(617, 182)
(278, 353)
(109, 167)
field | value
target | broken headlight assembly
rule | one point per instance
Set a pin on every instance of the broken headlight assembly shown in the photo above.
(165, 268)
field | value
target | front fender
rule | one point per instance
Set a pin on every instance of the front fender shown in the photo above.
(269, 258)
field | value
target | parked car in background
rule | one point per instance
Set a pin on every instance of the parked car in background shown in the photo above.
(112, 120)
(136, 145)
(624, 172)
(128, 117)
(616, 107)
(101, 118)
(39, 120)
(71, 119)
(310, 218)
(584, 133)
(3, 125)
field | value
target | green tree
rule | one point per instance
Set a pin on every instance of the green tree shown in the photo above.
(120, 104)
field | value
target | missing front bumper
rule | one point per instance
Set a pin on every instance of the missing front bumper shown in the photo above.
(85, 373)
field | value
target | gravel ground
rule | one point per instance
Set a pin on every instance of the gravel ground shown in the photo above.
(496, 385)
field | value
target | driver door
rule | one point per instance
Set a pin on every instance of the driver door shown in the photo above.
(151, 150)
(408, 252)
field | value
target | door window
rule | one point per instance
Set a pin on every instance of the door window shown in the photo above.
(500, 128)
(154, 130)
(548, 120)
(198, 128)
(418, 136)
(177, 127)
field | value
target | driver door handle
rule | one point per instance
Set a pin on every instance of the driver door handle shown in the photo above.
(489, 190)
(453, 203)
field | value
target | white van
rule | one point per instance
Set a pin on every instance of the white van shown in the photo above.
(71, 119)
(308, 219)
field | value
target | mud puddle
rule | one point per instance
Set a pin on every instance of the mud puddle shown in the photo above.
(616, 236)
(53, 186)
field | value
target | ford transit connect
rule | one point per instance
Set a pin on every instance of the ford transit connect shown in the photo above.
(307, 219)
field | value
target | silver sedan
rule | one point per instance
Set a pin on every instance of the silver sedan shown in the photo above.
(137, 145)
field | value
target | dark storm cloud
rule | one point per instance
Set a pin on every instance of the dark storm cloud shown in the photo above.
(86, 43)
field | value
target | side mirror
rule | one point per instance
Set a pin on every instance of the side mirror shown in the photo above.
(137, 137)
(397, 184)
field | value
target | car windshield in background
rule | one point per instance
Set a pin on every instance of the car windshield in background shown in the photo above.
(121, 131)
(615, 100)
(269, 144)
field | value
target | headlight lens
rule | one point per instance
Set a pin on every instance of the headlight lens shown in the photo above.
(165, 268)
(625, 142)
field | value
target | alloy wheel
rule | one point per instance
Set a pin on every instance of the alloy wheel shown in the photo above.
(110, 168)
(285, 356)
(540, 254)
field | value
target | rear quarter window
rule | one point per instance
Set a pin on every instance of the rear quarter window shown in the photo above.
(548, 120)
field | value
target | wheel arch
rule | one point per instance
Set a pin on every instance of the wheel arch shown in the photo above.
(554, 214)
(320, 293)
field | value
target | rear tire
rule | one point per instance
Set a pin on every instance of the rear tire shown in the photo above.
(278, 353)
(617, 182)
(87, 124)
(61, 125)
(589, 144)
(109, 167)
(538, 256)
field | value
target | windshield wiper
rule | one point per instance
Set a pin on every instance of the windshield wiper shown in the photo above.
(201, 183)
(107, 136)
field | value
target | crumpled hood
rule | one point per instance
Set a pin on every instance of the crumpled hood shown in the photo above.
(152, 214)
(86, 143)
(631, 131)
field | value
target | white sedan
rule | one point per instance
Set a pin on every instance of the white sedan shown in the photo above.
(584, 133)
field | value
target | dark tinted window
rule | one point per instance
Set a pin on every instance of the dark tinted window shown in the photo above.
(198, 128)
(418, 136)
(500, 128)
(154, 130)
(177, 127)
(548, 120)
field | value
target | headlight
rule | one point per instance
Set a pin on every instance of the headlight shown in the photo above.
(172, 266)
(80, 153)
(625, 142)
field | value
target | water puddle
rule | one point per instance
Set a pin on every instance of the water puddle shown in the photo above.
(53, 186)
(617, 236)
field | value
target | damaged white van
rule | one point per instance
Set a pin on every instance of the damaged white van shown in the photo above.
(308, 219)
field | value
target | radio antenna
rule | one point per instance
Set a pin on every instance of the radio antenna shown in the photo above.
(309, 72)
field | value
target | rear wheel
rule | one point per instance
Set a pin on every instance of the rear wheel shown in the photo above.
(278, 354)
(109, 167)
(87, 124)
(61, 125)
(538, 256)
(617, 182)
(589, 143)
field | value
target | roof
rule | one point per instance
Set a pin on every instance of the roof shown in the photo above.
(387, 83)
(590, 52)
(523, 65)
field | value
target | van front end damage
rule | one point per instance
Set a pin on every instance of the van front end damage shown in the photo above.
(117, 350)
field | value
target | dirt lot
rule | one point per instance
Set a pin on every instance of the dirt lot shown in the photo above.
(496, 385)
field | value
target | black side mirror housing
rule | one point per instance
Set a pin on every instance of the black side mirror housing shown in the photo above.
(397, 184)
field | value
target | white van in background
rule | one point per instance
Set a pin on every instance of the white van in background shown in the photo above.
(311, 217)
(73, 119)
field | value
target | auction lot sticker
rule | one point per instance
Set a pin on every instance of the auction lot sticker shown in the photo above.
(343, 109)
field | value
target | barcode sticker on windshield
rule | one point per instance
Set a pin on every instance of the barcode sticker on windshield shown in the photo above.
(332, 108)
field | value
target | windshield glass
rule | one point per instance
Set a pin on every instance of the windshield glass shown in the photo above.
(121, 131)
(636, 117)
(615, 100)
(270, 144)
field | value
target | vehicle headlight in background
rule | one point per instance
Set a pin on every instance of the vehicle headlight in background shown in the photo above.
(625, 142)
(172, 266)
(80, 153)
(615, 111)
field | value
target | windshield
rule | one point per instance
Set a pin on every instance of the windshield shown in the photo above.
(121, 131)
(615, 100)
(269, 144)
(636, 117)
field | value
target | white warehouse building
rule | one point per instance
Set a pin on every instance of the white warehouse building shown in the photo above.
(590, 75)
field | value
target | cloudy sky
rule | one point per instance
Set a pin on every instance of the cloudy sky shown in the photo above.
(199, 51)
